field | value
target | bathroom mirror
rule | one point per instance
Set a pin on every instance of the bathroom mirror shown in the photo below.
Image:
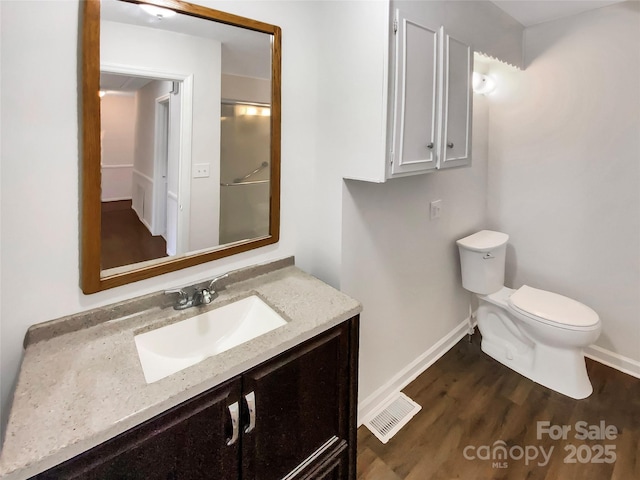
(181, 138)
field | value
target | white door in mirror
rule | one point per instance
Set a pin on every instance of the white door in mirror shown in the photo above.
(169, 349)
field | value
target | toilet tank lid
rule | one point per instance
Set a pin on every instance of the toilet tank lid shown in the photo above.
(553, 307)
(484, 240)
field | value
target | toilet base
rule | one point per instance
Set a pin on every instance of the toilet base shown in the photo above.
(570, 379)
(560, 369)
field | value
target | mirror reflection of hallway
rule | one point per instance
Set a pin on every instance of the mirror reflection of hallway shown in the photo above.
(136, 171)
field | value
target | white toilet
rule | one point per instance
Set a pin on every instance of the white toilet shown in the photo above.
(539, 334)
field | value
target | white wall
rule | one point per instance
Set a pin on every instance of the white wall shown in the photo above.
(564, 170)
(246, 89)
(349, 121)
(40, 247)
(117, 117)
(403, 266)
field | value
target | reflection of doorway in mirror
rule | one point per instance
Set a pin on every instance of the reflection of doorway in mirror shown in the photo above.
(125, 238)
(139, 171)
(163, 216)
(162, 165)
(244, 171)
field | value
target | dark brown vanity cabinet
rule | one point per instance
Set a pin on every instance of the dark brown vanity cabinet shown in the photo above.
(183, 442)
(296, 419)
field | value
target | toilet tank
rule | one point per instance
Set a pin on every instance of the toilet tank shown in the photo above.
(482, 257)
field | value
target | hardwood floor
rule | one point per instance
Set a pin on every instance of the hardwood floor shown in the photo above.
(469, 401)
(125, 239)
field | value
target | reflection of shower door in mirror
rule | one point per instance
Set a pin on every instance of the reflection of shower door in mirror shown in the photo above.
(244, 171)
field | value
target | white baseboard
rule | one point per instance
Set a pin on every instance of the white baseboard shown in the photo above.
(614, 360)
(146, 224)
(408, 374)
(115, 199)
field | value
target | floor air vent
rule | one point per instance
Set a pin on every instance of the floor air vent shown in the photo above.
(392, 416)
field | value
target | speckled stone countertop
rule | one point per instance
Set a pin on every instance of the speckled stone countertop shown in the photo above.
(81, 386)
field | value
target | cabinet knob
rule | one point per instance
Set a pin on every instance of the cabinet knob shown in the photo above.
(450, 144)
(234, 414)
(430, 145)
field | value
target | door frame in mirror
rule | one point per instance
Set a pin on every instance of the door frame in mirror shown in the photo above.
(91, 280)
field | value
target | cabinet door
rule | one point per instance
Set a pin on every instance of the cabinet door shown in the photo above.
(457, 104)
(206, 449)
(187, 442)
(415, 135)
(301, 405)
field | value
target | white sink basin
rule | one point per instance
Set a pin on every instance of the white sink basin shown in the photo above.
(169, 349)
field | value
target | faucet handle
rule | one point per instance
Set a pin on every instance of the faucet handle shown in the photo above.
(214, 280)
(183, 297)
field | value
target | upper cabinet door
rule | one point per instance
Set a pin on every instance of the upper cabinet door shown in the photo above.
(415, 137)
(457, 104)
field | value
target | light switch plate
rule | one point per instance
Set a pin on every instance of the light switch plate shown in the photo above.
(436, 209)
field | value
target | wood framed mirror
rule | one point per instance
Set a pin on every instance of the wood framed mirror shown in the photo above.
(181, 138)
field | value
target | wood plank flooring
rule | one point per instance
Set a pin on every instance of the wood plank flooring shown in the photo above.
(470, 400)
(124, 238)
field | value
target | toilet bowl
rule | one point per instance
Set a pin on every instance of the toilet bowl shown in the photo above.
(537, 333)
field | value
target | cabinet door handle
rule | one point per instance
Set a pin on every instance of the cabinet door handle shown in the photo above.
(430, 145)
(250, 398)
(450, 144)
(234, 413)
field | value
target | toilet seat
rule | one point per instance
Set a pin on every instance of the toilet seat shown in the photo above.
(553, 309)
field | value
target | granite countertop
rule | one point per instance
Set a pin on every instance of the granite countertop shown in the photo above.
(78, 388)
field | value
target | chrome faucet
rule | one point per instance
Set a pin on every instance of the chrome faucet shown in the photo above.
(200, 296)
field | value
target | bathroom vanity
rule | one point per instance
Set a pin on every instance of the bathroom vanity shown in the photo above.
(282, 405)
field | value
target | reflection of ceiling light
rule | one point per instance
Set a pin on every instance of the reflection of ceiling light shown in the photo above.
(158, 12)
(251, 111)
(483, 84)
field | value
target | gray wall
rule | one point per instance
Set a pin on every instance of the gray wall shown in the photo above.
(564, 168)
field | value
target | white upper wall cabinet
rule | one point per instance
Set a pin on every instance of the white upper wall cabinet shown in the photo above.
(408, 65)
(457, 104)
(431, 125)
(415, 141)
